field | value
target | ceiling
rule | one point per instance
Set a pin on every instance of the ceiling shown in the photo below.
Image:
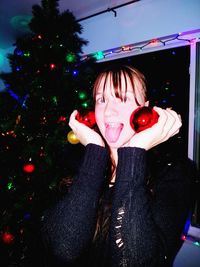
(14, 15)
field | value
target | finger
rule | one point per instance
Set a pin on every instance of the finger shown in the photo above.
(174, 113)
(72, 120)
(176, 132)
(173, 125)
(169, 123)
(162, 117)
(73, 115)
(177, 118)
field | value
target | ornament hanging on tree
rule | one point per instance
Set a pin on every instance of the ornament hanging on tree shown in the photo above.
(52, 66)
(62, 119)
(72, 139)
(7, 238)
(29, 168)
(143, 118)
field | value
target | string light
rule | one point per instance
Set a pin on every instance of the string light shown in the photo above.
(70, 57)
(52, 66)
(189, 238)
(27, 54)
(7, 238)
(184, 38)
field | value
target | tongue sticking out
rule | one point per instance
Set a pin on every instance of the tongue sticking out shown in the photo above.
(113, 131)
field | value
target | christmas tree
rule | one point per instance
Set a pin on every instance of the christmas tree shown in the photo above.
(48, 80)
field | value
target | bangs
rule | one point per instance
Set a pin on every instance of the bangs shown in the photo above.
(119, 77)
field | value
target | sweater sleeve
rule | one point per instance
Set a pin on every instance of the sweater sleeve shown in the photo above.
(146, 231)
(69, 225)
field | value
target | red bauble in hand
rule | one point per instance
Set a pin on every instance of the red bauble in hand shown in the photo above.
(87, 118)
(143, 118)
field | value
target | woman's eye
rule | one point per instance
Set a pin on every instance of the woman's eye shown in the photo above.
(100, 100)
(128, 98)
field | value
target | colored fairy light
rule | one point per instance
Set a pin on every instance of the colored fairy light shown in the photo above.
(27, 54)
(85, 105)
(55, 100)
(75, 73)
(125, 48)
(154, 43)
(70, 57)
(18, 68)
(193, 41)
(29, 168)
(7, 238)
(24, 101)
(52, 66)
(99, 55)
(21, 100)
(82, 95)
(10, 185)
(183, 237)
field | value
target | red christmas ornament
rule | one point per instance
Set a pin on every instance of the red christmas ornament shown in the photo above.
(87, 118)
(52, 66)
(7, 238)
(143, 118)
(62, 119)
(29, 167)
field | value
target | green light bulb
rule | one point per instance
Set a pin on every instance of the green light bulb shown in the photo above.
(10, 185)
(85, 105)
(55, 100)
(82, 95)
(70, 57)
(99, 55)
(27, 54)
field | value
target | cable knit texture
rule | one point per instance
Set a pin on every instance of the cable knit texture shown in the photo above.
(145, 229)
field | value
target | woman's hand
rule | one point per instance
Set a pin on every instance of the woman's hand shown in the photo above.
(169, 124)
(85, 134)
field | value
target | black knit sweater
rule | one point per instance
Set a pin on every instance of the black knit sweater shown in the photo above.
(145, 227)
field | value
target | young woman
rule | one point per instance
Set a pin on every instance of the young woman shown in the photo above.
(118, 212)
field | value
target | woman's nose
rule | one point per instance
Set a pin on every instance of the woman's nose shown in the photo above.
(111, 109)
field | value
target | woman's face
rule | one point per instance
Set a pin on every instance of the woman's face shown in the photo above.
(113, 114)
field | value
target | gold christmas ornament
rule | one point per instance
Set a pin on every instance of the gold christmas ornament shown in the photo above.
(72, 139)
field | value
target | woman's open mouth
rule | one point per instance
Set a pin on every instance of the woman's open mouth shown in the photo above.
(113, 131)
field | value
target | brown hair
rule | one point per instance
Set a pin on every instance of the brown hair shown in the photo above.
(117, 73)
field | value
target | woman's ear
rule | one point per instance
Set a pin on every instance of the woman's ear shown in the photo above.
(146, 104)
